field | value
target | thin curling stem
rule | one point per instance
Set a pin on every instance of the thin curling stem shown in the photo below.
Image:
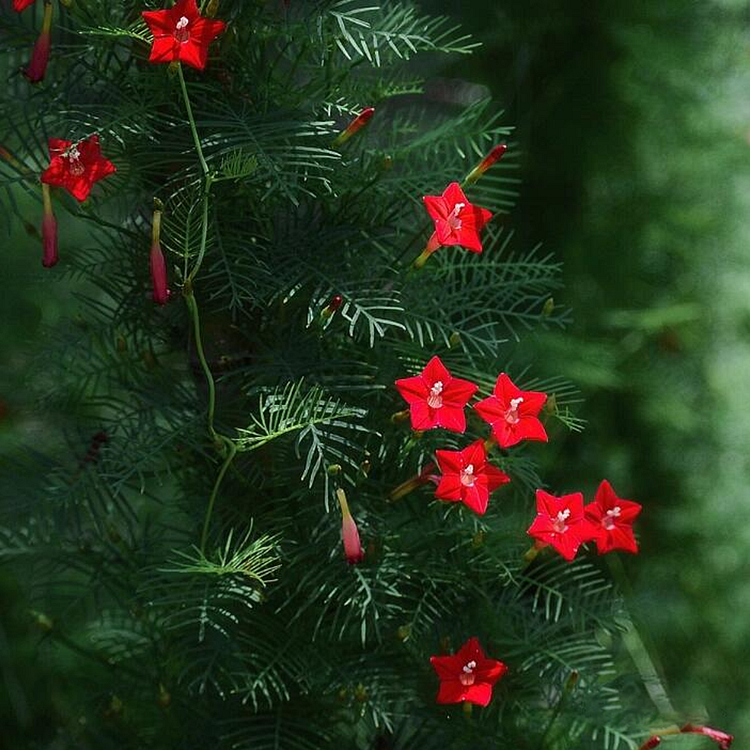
(191, 120)
(231, 453)
(195, 317)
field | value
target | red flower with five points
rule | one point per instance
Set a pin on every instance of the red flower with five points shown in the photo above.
(611, 520)
(436, 398)
(513, 413)
(560, 522)
(468, 675)
(468, 477)
(181, 34)
(457, 222)
(76, 166)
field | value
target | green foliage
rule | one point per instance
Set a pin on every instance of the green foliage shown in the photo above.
(258, 635)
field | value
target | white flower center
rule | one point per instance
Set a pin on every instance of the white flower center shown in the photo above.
(74, 161)
(511, 416)
(181, 33)
(467, 476)
(559, 524)
(453, 221)
(435, 399)
(467, 675)
(608, 521)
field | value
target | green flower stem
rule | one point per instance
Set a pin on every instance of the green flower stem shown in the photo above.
(231, 449)
(192, 306)
(568, 688)
(191, 120)
(222, 443)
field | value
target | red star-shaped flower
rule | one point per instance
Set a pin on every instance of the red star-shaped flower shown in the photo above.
(457, 222)
(560, 522)
(19, 5)
(513, 413)
(181, 34)
(436, 398)
(611, 520)
(76, 166)
(467, 477)
(468, 675)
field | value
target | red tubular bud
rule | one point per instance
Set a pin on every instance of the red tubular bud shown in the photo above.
(355, 125)
(723, 739)
(40, 56)
(495, 155)
(349, 532)
(49, 231)
(650, 743)
(158, 264)
(335, 303)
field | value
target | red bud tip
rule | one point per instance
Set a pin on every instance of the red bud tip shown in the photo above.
(49, 231)
(495, 155)
(349, 532)
(355, 125)
(40, 56)
(335, 303)
(650, 743)
(723, 739)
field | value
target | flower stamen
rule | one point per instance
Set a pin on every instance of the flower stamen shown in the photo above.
(181, 33)
(74, 161)
(467, 476)
(512, 416)
(467, 676)
(435, 399)
(608, 520)
(559, 524)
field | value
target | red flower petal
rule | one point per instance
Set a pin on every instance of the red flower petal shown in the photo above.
(458, 391)
(436, 206)
(435, 371)
(413, 389)
(452, 418)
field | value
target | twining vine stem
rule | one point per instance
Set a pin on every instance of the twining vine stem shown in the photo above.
(223, 444)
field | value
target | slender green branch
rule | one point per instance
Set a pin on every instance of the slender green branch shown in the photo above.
(191, 120)
(194, 315)
(204, 231)
(231, 453)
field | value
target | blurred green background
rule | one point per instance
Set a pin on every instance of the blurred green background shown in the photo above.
(633, 122)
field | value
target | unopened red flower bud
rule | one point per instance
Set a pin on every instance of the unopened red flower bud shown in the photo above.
(495, 155)
(335, 303)
(350, 534)
(650, 743)
(49, 231)
(723, 739)
(40, 56)
(158, 264)
(355, 125)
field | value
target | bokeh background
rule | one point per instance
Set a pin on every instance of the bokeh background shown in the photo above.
(633, 135)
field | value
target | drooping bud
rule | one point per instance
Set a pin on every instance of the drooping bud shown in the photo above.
(40, 56)
(158, 264)
(549, 307)
(355, 126)
(350, 534)
(49, 230)
(212, 8)
(495, 155)
(723, 739)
